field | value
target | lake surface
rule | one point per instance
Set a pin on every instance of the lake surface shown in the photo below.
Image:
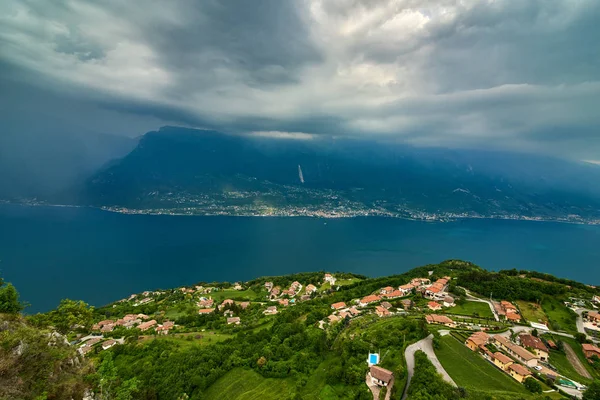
(51, 253)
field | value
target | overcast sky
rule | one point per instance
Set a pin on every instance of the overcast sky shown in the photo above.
(500, 74)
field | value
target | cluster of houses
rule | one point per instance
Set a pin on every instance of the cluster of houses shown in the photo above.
(207, 306)
(340, 311)
(139, 321)
(88, 346)
(513, 359)
(508, 311)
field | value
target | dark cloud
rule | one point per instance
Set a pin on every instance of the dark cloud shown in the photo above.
(503, 74)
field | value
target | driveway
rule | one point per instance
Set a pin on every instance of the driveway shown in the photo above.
(426, 346)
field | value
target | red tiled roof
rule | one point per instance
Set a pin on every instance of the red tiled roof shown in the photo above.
(370, 299)
(502, 358)
(339, 305)
(381, 374)
(519, 369)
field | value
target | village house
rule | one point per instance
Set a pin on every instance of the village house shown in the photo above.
(593, 316)
(225, 303)
(338, 306)
(333, 318)
(330, 278)
(596, 299)
(382, 311)
(386, 290)
(310, 288)
(385, 305)
(440, 319)
(143, 301)
(108, 344)
(394, 294)
(92, 342)
(164, 328)
(417, 282)
(244, 304)
(305, 297)
(206, 303)
(107, 328)
(590, 350)
(449, 301)
(365, 301)
(237, 286)
(477, 341)
(131, 324)
(233, 320)
(380, 376)
(518, 372)
(353, 311)
(270, 310)
(83, 350)
(513, 317)
(284, 302)
(502, 361)
(407, 304)
(147, 325)
(268, 286)
(518, 352)
(143, 316)
(206, 311)
(228, 313)
(99, 325)
(433, 292)
(536, 346)
(432, 305)
(275, 292)
(406, 289)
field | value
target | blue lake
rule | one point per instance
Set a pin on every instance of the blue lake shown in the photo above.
(51, 253)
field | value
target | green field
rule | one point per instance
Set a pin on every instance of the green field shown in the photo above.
(564, 367)
(579, 351)
(243, 384)
(183, 339)
(248, 294)
(472, 372)
(561, 318)
(532, 312)
(470, 308)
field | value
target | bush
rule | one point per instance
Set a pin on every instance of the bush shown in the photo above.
(533, 385)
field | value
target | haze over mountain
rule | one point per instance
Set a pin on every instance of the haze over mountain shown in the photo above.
(199, 171)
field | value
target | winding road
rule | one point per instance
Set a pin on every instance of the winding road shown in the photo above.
(470, 297)
(426, 346)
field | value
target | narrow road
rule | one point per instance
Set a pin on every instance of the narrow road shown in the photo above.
(426, 346)
(470, 297)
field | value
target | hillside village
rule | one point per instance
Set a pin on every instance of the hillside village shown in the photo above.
(372, 336)
(495, 330)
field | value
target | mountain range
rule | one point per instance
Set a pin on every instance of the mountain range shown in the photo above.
(180, 170)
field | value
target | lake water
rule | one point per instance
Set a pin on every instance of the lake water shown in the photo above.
(51, 253)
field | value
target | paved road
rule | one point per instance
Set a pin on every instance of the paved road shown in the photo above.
(580, 327)
(470, 297)
(426, 346)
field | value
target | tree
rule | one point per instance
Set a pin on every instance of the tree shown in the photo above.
(581, 337)
(592, 392)
(70, 313)
(534, 333)
(9, 299)
(533, 385)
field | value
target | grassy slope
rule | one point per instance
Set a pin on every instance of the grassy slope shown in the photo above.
(558, 313)
(236, 294)
(182, 338)
(471, 307)
(561, 363)
(471, 371)
(532, 312)
(246, 384)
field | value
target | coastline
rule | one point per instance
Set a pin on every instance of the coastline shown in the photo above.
(319, 214)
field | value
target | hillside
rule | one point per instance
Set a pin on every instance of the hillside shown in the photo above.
(206, 172)
(301, 336)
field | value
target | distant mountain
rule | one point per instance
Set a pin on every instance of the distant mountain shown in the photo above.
(207, 172)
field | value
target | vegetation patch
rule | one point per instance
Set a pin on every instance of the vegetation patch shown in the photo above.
(471, 371)
(471, 308)
(245, 384)
(532, 312)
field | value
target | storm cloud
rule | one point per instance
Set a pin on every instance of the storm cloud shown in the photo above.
(505, 74)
